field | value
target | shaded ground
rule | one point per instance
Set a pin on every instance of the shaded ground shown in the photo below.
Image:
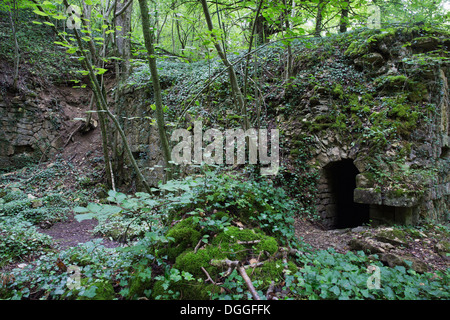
(423, 249)
(427, 247)
(71, 232)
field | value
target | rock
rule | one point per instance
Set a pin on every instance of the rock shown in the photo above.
(442, 248)
(425, 43)
(362, 181)
(389, 235)
(373, 59)
(401, 198)
(359, 229)
(368, 196)
(369, 246)
(37, 203)
(393, 260)
(45, 225)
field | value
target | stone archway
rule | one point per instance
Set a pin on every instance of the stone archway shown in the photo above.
(336, 197)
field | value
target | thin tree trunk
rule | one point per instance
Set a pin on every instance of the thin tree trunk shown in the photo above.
(231, 72)
(343, 22)
(103, 106)
(319, 18)
(16, 48)
(149, 40)
(250, 45)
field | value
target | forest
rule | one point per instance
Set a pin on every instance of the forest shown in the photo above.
(224, 150)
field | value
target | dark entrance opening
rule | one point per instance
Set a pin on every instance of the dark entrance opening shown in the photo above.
(342, 182)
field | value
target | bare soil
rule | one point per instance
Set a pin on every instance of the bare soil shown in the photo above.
(70, 233)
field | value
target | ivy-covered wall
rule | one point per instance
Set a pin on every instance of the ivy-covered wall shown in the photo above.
(380, 100)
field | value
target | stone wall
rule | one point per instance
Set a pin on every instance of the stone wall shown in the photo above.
(429, 155)
(28, 131)
(403, 177)
(133, 110)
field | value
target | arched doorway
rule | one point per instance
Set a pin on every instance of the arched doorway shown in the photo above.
(341, 180)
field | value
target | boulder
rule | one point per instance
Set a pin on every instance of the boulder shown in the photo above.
(393, 260)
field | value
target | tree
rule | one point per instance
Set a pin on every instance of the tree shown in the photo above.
(149, 44)
(12, 12)
(319, 17)
(343, 22)
(237, 93)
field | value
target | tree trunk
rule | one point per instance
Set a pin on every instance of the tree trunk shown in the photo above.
(149, 40)
(123, 40)
(343, 22)
(16, 49)
(232, 74)
(103, 106)
(319, 18)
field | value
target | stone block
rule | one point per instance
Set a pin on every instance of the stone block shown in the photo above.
(367, 196)
(400, 198)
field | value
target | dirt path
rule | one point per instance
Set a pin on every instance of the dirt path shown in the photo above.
(71, 232)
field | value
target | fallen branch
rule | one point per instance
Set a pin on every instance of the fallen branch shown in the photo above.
(270, 294)
(241, 269)
(249, 242)
(198, 245)
(208, 277)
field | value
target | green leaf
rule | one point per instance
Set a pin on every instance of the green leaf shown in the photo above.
(85, 216)
(91, 292)
(80, 210)
(38, 12)
(101, 70)
(62, 44)
(71, 50)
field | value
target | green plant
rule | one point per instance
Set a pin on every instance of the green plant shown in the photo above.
(20, 239)
(330, 275)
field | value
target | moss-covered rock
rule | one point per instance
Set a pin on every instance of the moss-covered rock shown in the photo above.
(91, 289)
(233, 244)
(184, 290)
(185, 234)
(272, 272)
(192, 262)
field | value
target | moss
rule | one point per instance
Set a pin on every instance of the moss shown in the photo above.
(103, 290)
(140, 282)
(268, 244)
(234, 234)
(232, 244)
(187, 290)
(194, 291)
(193, 262)
(355, 49)
(393, 234)
(185, 235)
(272, 271)
(387, 35)
(338, 91)
(392, 82)
(418, 93)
